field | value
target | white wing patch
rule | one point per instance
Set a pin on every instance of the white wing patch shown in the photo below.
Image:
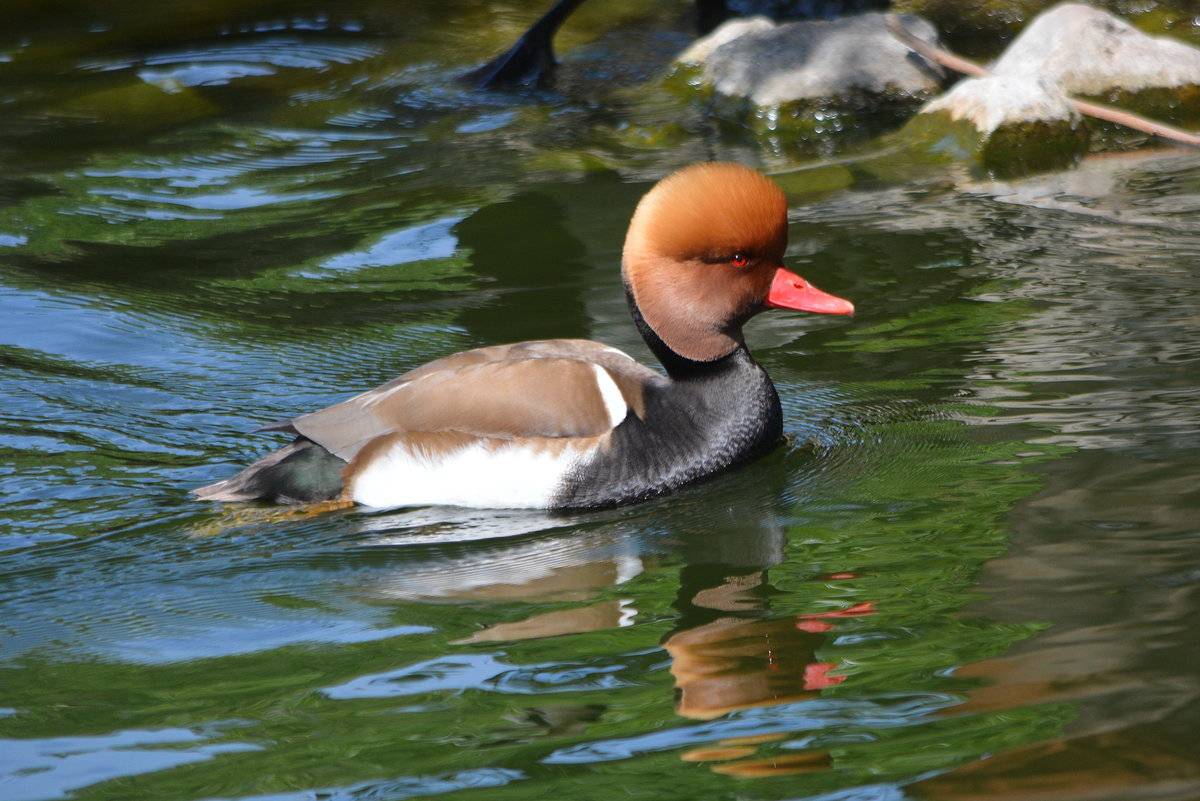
(485, 474)
(617, 351)
(610, 393)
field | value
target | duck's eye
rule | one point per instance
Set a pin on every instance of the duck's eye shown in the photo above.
(739, 260)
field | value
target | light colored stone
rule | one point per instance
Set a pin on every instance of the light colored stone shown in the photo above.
(703, 47)
(997, 100)
(1091, 52)
(774, 65)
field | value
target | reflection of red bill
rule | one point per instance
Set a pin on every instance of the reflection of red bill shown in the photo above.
(840, 576)
(816, 676)
(865, 608)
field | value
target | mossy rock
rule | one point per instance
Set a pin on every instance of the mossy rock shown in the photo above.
(812, 85)
(838, 116)
(1028, 147)
(816, 126)
(1012, 149)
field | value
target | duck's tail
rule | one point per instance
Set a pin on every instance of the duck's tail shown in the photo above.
(301, 472)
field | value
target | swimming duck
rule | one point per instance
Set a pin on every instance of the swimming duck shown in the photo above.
(570, 423)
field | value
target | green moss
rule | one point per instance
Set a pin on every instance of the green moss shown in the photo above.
(687, 81)
(940, 137)
(816, 126)
(818, 180)
(570, 162)
(1028, 147)
(1011, 150)
(836, 116)
(1161, 20)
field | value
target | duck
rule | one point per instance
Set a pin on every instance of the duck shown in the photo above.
(572, 424)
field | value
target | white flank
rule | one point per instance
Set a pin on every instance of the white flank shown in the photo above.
(504, 476)
(610, 393)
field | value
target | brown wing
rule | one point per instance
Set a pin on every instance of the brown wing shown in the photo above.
(547, 388)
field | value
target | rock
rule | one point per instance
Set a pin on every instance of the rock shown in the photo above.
(998, 100)
(703, 47)
(1087, 51)
(1020, 118)
(773, 65)
(1007, 124)
(813, 85)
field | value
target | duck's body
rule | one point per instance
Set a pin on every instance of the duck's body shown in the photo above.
(630, 433)
(570, 424)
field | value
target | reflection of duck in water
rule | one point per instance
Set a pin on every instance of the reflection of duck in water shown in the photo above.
(728, 653)
(570, 424)
(736, 659)
(526, 304)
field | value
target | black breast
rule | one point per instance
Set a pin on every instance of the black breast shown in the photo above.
(703, 421)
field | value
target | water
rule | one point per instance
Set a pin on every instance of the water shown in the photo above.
(971, 574)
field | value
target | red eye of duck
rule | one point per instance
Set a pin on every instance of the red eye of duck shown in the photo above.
(739, 260)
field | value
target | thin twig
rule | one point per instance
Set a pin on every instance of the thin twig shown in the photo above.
(930, 53)
(1097, 110)
(1102, 112)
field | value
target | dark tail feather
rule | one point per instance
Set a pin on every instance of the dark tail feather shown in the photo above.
(302, 472)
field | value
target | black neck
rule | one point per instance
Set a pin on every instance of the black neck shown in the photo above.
(710, 416)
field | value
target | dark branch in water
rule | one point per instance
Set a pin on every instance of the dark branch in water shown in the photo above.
(529, 62)
(1097, 110)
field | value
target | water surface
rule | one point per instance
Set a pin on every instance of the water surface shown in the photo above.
(971, 573)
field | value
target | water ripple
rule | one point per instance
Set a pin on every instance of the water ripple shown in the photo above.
(883, 713)
(54, 767)
(489, 673)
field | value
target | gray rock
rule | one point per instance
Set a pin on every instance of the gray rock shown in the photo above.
(1090, 52)
(773, 65)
